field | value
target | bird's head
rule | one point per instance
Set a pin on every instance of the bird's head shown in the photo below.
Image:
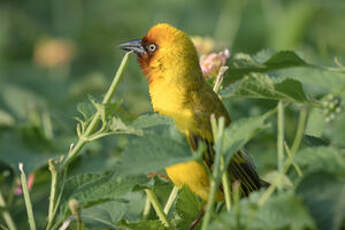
(165, 52)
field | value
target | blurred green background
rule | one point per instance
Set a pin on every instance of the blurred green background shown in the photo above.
(54, 54)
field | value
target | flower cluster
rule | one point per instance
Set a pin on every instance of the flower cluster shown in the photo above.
(211, 62)
(331, 106)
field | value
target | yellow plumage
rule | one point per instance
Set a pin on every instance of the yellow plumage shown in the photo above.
(178, 90)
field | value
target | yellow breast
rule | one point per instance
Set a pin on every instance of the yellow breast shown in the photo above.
(170, 100)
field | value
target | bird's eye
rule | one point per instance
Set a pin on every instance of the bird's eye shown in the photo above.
(152, 47)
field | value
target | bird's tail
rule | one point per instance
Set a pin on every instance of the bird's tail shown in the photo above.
(242, 169)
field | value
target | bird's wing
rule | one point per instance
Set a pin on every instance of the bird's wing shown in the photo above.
(241, 167)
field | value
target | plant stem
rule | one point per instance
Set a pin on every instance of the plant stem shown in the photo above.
(226, 186)
(300, 130)
(294, 164)
(74, 207)
(147, 208)
(52, 195)
(298, 138)
(216, 175)
(96, 118)
(275, 183)
(237, 197)
(171, 200)
(280, 137)
(157, 207)
(27, 198)
(84, 137)
(6, 215)
(219, 78)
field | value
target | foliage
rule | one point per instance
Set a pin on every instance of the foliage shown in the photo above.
(125, 151)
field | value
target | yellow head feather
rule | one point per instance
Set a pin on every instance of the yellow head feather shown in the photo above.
(175, 58)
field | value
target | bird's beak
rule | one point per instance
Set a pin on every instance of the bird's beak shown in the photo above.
(134, 45)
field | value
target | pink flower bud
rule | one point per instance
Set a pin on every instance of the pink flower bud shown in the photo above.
(211, 63)
(19, 191)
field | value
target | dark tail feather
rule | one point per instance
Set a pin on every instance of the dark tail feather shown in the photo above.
(242, 168)
(264, 184)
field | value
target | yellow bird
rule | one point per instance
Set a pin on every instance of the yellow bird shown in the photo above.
(177, 88)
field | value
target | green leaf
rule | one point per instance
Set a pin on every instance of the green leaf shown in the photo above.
(283, 211)
(141, 225)
(313, 141)
(188, 207)
(261, 86)
(321, 158)
(324, 195)
(21, 100)
(107, 110)
(285, 65)
(316, 123)
(86, 109)
(116, 125)
(150, 120)
(315, 79)
(332, 130)
(13, 151)
(104, 215)
(240, 132)
(155, 151)
(6, 119)
(94, 188)
(281, 180)
(284, 59)
(265, 61)
(32, 160)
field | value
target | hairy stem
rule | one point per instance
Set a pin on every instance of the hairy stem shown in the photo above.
(96, 118)
(216, 175)
(171, 200)
(300, 130)
(53, 172)
(147, 208)
(226, 186)
(84, 137)
(280, 136)
(27, 198)
(6, 215)
(157, 207)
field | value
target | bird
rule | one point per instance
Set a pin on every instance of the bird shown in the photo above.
(177, 89)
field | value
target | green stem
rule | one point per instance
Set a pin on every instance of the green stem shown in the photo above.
(84, 137)
(294, 164)
(74, 207)
(219, 78)
(226, 187)
(216, 175)
(6, 215)
(171, 200)
(96, 118)
(300, 130)
(27, 198)
(147, 208)
(236, 198)
(280, 137)
(157, 207)
(53, 186)
(275, 183)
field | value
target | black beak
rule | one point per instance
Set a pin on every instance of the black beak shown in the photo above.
(134, 45)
